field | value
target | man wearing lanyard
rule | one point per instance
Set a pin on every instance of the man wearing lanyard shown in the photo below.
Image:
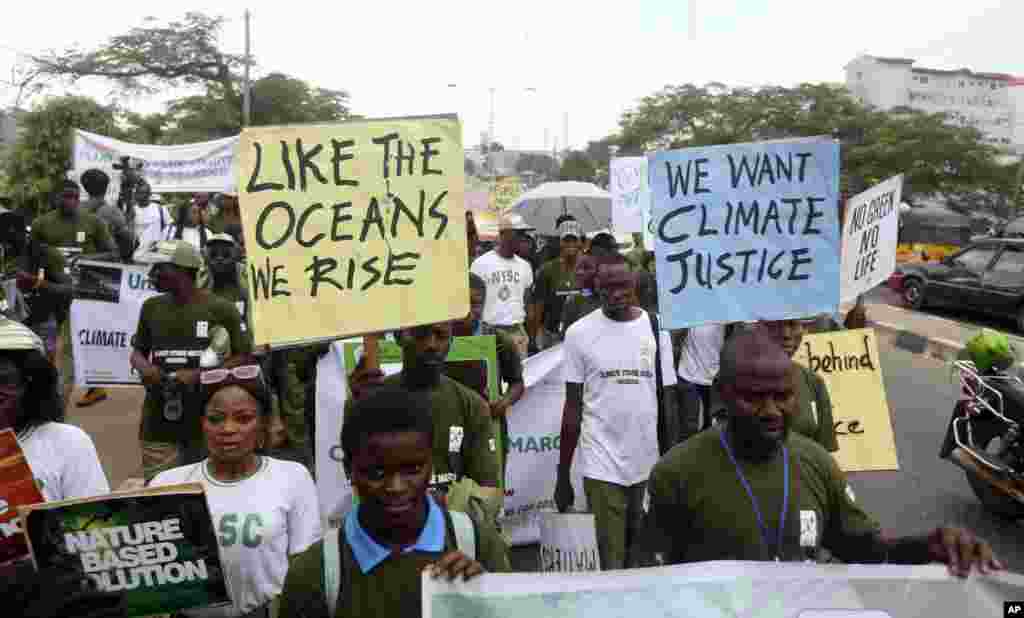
(750, 490)
(509, 280)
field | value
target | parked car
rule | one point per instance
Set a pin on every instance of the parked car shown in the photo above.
(986, 276)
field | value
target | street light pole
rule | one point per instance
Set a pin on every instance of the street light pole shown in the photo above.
(246, 95)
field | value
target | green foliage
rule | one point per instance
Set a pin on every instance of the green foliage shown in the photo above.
(470, 167)
(39, 160)
(577, 166)
(935, 155)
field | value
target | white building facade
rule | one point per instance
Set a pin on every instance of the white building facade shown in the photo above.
(993, 103)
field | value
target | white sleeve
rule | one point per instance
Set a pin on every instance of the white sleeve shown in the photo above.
(668, 374)
(304, 514)
(476, 268)
(83, 475)
(575, 370)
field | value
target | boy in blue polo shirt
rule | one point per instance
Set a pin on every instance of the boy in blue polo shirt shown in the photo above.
(371, 566)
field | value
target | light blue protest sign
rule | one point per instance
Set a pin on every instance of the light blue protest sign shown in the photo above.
(746, 231)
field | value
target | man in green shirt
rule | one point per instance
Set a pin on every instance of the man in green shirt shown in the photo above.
(174, 329)
(752, 490)
(397, 530)
(465, 444)
(586, 301)
(70, 230)
(554, 284)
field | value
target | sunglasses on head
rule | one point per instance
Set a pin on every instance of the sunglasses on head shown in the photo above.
(216, 376)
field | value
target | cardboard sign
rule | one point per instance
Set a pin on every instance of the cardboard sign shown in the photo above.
(104, 318)
(155, 546)
(353, 227)
(628, 186)
(568, 543)
(17, 488)
(848, 362)
(870, 234)
(746, 232)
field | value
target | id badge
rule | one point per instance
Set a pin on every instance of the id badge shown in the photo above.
(202, 329)
(80, 236)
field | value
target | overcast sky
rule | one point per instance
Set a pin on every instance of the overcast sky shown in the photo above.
(590, 59)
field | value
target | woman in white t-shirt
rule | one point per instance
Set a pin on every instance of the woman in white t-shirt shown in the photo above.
(62, 457)
(264, 510)
(189, 227)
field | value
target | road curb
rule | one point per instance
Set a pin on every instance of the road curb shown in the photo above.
(933, 347)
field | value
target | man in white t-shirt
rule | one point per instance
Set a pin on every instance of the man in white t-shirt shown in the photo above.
(698, 366)
(611, 412)
(151, 220)
(509, 280)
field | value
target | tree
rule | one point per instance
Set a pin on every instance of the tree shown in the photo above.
(470, 167)
(276, 99)
(934, 155)
(149, 58)
(577, 166)
(38, 162)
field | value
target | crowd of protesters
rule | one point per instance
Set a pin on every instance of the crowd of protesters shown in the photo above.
(706, 444)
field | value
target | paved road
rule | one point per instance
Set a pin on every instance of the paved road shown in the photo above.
(925, 492)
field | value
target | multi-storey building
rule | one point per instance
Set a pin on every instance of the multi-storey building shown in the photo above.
(991, 102)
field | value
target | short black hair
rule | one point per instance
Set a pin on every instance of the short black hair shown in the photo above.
(95, 182)
(604, 240)
(387, 409)
(476, 282)
(69, 184)
(744, 343)
(41, 401)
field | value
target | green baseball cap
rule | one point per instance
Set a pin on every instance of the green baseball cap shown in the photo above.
(177, 252)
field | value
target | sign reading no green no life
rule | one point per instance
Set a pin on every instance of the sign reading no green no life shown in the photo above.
(746, 231)
(353, 227)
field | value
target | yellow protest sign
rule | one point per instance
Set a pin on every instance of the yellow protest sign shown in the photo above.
(848, 363)
(353, 227)
(504, 193)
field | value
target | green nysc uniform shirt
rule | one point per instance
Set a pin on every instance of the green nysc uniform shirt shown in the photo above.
(464, 436)
(376, 582)
(699, 509)
(173, 336)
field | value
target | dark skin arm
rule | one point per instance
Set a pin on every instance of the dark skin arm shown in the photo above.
(572, 422)
(858, 316)
(958, 548)
(501, 407)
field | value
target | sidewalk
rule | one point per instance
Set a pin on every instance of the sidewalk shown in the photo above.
(922, 333)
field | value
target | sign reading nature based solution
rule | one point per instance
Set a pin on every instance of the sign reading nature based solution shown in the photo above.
(746, 231)
(353, 227)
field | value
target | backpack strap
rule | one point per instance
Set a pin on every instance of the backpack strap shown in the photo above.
(332, 569)
(665, 441)
(465, 533)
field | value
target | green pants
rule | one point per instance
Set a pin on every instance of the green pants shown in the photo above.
(619, 516)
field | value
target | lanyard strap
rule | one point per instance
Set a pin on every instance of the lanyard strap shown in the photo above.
(753, 499)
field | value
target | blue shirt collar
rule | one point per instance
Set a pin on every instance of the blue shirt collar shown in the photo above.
(369, 553)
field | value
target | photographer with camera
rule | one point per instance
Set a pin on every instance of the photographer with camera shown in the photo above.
(174, 329)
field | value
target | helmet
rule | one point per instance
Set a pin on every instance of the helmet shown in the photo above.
(990, 350)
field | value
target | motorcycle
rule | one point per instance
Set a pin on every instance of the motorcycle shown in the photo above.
(984, 436)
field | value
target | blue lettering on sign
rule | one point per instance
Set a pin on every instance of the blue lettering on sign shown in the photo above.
(138, 281)
(534, 444)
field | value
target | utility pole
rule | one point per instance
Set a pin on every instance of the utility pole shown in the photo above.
(246, 88)
(490, 123)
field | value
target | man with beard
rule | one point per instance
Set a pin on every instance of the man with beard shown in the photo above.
(174, 328)
(612, 410)
(751, 490)
(555, 283)
(464, 443)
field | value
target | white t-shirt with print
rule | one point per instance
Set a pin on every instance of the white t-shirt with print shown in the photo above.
(698, 362)
(147, 224)
(507, 282)
(260, 522)
(614, 361)
(64, 462)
